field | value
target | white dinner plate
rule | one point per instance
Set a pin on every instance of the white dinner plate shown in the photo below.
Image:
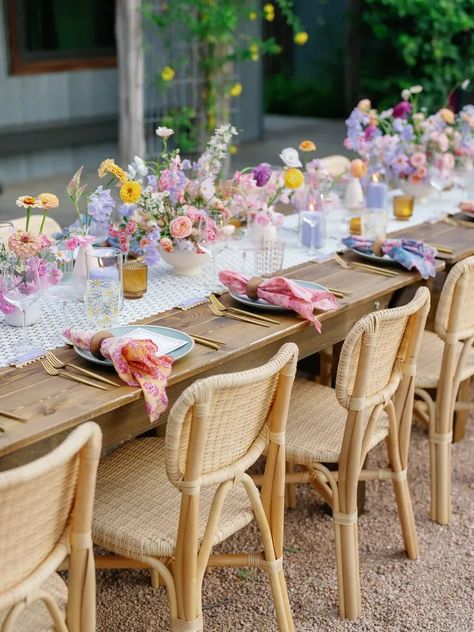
(261, 304)
(376, 259)
(168, 332)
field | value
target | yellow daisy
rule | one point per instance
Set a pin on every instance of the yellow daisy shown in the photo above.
(235, 90)
(168, 73)
(130, 192)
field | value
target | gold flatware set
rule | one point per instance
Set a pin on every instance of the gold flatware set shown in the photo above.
(364, 267)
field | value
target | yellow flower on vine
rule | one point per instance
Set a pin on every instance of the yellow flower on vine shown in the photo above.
(211, 121)
(301, 38)
(168, 73)
(232, 149)
(253, 15)
(269, 12)
(236, 90)
(108, 166)
(293, 178)
(130, 192)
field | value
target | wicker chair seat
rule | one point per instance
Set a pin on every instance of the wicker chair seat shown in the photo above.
(316, 425)
(36, 617)
(429, 363)
(137, 509)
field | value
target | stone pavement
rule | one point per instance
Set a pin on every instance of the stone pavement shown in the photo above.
(280, 132)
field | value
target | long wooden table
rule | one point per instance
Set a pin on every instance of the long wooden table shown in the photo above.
(53, 405)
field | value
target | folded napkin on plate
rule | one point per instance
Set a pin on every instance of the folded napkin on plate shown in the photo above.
(282, 292)
(136, 363)
(410, 253)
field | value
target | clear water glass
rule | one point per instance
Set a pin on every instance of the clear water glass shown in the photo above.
(21, 288)
(103, 297)
(269, 257)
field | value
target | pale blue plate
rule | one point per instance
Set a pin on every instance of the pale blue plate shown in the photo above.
(376, 259)
(164, 331)
(261, 304)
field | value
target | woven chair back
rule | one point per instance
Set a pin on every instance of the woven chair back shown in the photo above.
(455, 314)
(222, 421)
(375, 352)
(37, 502)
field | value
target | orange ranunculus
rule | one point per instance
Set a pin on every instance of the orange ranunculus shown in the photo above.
(307, 145)
(358, 168)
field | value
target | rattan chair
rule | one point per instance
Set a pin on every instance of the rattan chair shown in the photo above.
(372, 401)
(176, 498)
(446, 365)
(45, 516)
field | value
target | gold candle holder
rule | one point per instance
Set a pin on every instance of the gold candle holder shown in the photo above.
(135, 279)
(403, 206)
(355, 226)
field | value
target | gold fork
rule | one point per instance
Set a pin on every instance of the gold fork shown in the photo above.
(363, 267)
(219, 312)
(9, 415)
(55, 362)
(52, 371)
(234, 310)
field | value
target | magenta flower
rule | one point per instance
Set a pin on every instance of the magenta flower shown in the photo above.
(262, 174)
(402, 110)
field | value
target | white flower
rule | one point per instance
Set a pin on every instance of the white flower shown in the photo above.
(207, 189)
(137, 169)
(164, 132)
(290, 157)
(465, 84)
(406, 94)
(386, 114)
(416, 89)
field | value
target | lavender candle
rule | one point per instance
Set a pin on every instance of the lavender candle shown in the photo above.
(313, 229)
(375, 194)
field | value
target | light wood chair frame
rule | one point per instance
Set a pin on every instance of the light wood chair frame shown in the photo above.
(183, 575)
(84, 445)
(452, 393)
(339, 488)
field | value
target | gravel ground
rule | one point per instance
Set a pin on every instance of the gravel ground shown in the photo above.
(433, 593)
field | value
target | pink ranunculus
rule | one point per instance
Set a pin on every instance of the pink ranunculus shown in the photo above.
(194, 214)
(166, 244)
(181, 227)
(71, 243)
(421, 172)
(262, 219)
(45, 241)
(418, 159)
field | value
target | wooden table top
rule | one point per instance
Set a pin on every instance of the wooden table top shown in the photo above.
(54, 405)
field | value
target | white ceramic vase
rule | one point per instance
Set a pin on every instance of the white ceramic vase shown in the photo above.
(32, 316)
(420, 191)
(185, 263)
(79, 274)
(354, 198)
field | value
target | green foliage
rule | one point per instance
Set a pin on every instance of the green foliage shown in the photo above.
(427, 42)
(215, 27)
(182, 120)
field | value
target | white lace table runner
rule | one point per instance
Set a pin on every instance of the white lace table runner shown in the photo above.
(166, 290)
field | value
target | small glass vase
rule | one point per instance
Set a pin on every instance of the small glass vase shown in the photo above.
(103, 297)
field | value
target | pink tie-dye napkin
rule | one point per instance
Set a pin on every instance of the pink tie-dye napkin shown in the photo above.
(284, 293)
(137, 364)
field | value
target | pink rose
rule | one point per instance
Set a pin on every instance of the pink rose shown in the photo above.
(166, 244)
(72, 243)
(181, 227)
(262, 219)
(418, 159)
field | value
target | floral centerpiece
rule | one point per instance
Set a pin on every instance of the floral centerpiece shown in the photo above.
(169, 206)
(39, 249)
(406, 144)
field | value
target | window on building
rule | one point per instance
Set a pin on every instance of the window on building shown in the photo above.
(55, 35)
